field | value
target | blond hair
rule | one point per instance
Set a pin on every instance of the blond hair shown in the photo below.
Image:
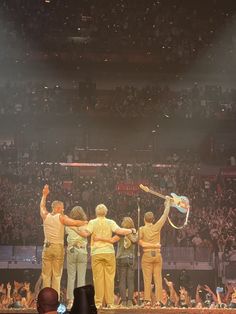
(56, 204)
(101, 210)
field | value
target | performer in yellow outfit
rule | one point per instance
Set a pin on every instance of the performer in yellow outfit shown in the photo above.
(149, 240)
(103, 255)
(53, 250)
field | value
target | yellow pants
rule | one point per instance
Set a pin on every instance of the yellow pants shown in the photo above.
(52, 266)
(104, 269)
(152, 266)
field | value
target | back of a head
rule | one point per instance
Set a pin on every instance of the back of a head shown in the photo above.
(47, 300)
(101, 210)
(149, 217)
(78, 213)
(127, 222)
(57, 207)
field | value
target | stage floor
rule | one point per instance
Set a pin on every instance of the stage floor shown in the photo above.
(168, 311)
(140, 311)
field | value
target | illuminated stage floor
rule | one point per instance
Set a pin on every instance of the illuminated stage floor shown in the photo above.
(168, 311)
(140, 311)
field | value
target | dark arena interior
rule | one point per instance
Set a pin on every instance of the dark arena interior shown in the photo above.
(107, 108)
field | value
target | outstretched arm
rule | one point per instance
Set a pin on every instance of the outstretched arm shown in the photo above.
(159, 224)
(173, 294)
(43, 209)
(218, 298)
(8, 290)
(197, 296)
(208, 289)
(28, 292)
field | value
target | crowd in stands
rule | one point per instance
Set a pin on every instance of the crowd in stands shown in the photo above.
(142, 32)
(196, 102)
(176, 32)
(208, 102)
(212, 216)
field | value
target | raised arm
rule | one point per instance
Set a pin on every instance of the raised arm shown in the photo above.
(197, 296)
(219, 301)
(159, 224)
(230, 291)
(8, 290)
(208, 289)
(43, 209)
(173, 294)
(28, 292)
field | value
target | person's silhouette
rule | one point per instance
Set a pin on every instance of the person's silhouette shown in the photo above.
(84, 301)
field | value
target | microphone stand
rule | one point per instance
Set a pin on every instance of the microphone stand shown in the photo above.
(138, 201)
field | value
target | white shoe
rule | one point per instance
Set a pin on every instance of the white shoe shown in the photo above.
(69, 305)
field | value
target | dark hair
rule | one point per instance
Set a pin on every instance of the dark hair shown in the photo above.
(78, 213)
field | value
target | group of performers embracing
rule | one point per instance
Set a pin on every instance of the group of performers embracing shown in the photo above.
(103, 233)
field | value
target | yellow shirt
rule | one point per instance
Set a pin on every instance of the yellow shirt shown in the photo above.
(151, 233)
(103, 228)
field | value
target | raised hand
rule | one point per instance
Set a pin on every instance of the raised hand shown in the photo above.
(17, 285)
(27, 286)
(230, 288)
(8, 286)
(199, 287)
(168, 198)
(46, 190)
(183, 290)
(207, 288)
(168, 283)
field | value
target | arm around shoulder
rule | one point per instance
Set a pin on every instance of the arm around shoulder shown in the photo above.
(123, 231)
(65, 220)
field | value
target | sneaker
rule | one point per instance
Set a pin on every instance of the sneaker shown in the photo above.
(98, 306)
(69, 305)
(112, 306)
(130, 303)
(123, 304)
